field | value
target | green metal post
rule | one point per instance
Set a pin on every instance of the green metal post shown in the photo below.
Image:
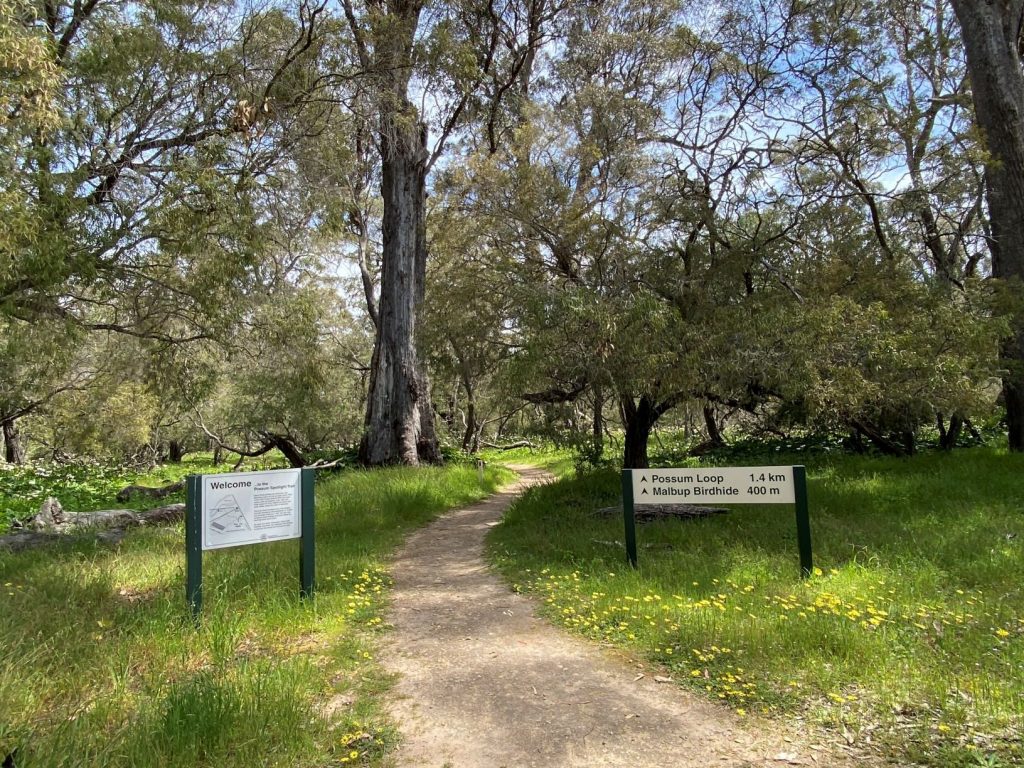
(194, 545)
(307, 552)
(629, 515)
(803, 521)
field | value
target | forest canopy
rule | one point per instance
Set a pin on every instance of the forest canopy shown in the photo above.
(393, 227)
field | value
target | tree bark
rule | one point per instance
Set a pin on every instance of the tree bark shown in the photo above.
(399, 417)
(903, 446)
(510, 446)
(285, 445)
(126, 493)
(597, 433)
(948, 436)
(638, 418)
(470, 434)
(715, 438)
(991, 33)
(14, 451)
(175, 451)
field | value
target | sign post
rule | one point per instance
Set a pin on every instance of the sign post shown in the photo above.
(629, 516)
(803, 521)
(231, 510)
(194, 545)
(307, 552)
(726, 485)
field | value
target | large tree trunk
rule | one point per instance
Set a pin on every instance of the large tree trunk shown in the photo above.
(639, 418)
(992, 34)
(399, 417)
(14, 452)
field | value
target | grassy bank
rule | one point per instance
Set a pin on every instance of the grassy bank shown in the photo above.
(909, 639)
(100, 665)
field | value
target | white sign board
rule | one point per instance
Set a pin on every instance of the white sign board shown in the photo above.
(251, 508)
(721, 485)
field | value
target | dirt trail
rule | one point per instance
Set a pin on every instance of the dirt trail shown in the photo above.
(484, 684)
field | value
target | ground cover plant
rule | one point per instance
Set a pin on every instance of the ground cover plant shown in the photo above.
(100, 664)
(908, 638)
(84, 486)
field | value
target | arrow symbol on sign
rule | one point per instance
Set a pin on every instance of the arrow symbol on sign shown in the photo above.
(643, 492)
(643, 479)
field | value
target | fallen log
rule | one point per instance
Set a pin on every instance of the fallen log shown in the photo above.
(645, 513)
(125, 494)
(510, 446)
(53, 525)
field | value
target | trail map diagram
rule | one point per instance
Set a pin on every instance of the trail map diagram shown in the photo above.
(227, 516)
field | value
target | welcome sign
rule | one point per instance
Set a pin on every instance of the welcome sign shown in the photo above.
(231, 510)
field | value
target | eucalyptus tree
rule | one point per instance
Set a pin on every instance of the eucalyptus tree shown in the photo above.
(28, 90)
(469, 326)
(566, 208)
(991, 34)
(879, 122)
(458, 61)
(151, 192)
(804, 167)
(157, 193)
(38, 363)
(879, 102)
(293, 379)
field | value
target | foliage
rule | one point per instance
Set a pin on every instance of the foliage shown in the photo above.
(773, 215)
(295, 372)
(29, 83)
(145, 192)
(906, 637)
(37, 362)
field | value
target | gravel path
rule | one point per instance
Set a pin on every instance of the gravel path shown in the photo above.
(483, 683)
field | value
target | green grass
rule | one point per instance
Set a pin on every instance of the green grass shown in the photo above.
(558, 461)
(908, 639)
(100, 664)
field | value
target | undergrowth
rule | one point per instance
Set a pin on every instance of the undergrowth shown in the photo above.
(84, 486)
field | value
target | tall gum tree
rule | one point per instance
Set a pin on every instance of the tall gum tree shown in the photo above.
(453, 63)
(991, 33)
(399, 422)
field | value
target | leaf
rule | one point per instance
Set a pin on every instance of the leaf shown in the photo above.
(787, 757)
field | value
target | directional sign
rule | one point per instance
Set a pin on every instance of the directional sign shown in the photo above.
(723, 485)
